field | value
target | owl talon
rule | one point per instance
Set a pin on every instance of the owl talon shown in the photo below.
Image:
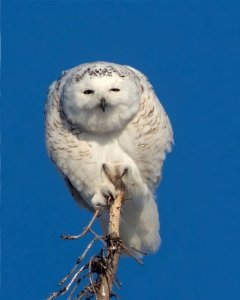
(125, 171)
(125, 176)
(99, 205)
(104, 195)
(108, 172)
(115, 172)
(105, 168)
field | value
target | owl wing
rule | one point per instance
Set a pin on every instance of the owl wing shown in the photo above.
(77, 196)
(149, 136)
(64, 148)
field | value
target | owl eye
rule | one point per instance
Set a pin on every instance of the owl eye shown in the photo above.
(114, 90)
(87, 92)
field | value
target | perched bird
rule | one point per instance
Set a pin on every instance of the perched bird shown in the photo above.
(105, 125)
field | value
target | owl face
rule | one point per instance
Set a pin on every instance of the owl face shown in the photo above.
(100, 99)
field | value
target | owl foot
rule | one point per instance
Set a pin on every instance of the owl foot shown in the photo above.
(104, 195)
(115, 173)
(126, 177)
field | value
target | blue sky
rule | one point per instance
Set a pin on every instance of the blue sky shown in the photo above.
(190, 52)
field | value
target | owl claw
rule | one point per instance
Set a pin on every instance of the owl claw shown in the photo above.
(104, 195)
(125, 177)
(106, 169)
(125, 171)
(115, 172)
(107, 195)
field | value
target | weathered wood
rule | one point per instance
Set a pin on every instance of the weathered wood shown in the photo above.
(113, 250)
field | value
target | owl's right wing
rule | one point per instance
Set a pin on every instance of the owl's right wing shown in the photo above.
(77, 195)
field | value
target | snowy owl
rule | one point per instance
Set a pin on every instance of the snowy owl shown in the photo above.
(105, 125)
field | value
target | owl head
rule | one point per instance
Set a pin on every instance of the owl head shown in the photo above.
(101, 97)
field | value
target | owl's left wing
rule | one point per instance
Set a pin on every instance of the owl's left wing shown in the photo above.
(65, 149)
(152, 133)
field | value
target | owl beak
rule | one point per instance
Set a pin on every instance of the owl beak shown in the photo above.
(103, 104)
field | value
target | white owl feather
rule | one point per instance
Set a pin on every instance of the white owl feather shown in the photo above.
(103, 124)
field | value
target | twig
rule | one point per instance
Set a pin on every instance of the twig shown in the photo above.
(76, 286)
(80, 259)
(85, 230)
(91, 278)
(66, 288)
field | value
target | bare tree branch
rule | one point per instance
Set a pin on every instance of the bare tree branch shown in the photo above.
(101, 269)
(114, 249)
